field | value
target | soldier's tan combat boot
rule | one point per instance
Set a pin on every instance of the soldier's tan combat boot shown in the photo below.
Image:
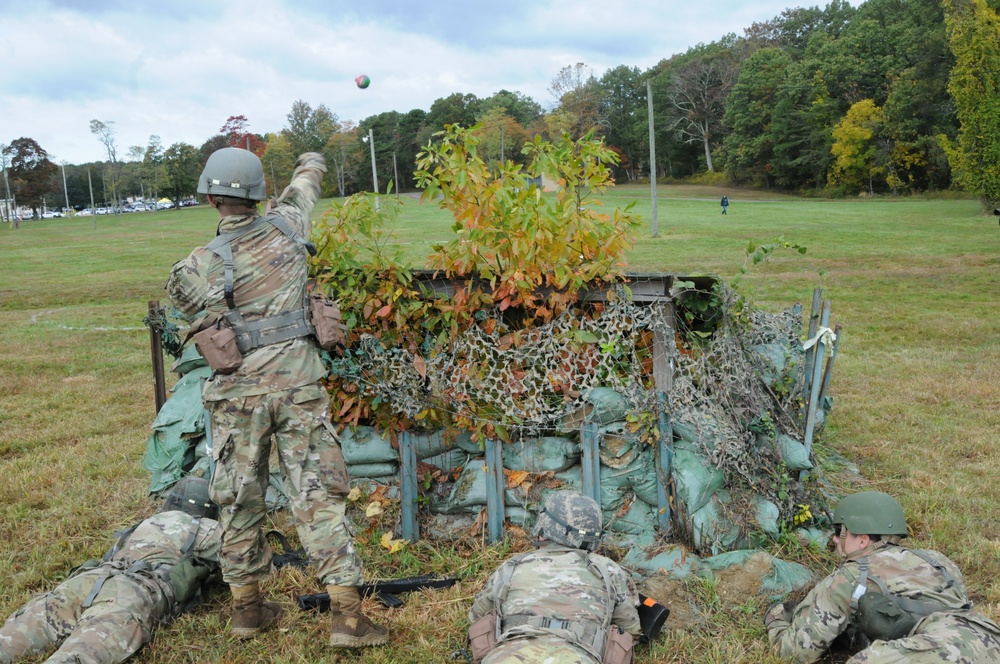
(251, 615)
(349, 628)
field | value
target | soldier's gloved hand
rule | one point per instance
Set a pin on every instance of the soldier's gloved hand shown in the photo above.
(782, 610)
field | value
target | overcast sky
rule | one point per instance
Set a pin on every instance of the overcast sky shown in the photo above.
(180, 68)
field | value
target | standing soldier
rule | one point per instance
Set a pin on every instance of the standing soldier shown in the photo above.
(249, 285)
(561, 603)
(107, 610)
(911, 604)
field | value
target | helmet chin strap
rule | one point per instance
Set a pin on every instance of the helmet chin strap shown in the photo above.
(590, 538)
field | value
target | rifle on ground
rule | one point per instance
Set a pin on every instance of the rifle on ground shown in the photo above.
(652, 615)
(385, 592)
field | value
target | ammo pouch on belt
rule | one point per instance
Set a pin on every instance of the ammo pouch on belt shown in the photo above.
(217, 344)
(619, 647)
(483, 636)
(882, 619)
(328, 328)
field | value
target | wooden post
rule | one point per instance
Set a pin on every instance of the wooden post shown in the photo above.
(664, 464)
(813, 321)
(817, 375)
(829, 365)
(494, 489)
(156, 352)
(590, 460)
(408, 485)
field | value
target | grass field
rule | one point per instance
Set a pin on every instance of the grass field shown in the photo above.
(914, 283)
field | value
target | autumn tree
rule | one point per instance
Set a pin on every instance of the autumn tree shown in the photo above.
(105, 133)
(696, 93)
(501, 137)
(182, 166)
(856, 147)
(343, 154)
(238, 135)
(580, 97)
(974, 35)
(29, 172)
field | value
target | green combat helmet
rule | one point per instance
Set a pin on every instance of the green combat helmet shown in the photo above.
(233, 172)
(871, 513)
(190, 495)
(571, 519)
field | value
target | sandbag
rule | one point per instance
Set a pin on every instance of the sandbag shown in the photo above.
(793, 453)
(539, 455)
(695, 479)
(711, 530)
(365, 445)
(372, 470)
(675, 561)
(603, 406)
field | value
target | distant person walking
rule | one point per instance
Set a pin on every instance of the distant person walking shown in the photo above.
(724, 204)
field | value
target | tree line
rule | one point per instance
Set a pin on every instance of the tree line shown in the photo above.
(894, 96)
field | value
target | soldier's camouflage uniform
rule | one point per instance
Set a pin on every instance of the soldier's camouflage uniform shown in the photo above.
(559, 583)
(136, 594)
(276, 392)
(958, 636)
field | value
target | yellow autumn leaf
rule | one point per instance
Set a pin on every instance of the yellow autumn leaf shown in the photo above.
(374, 509)
(392, 545)
(354, 495)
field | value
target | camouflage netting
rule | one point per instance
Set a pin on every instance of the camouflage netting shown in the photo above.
(735, 405)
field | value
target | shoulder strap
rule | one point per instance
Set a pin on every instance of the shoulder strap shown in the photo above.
(121, 536)
(223, 248)
(862, 586)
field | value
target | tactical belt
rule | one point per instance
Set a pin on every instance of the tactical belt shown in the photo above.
(585, 632)
(264, 331)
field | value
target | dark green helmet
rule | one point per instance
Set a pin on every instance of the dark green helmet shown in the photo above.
(233, 172)
(871, 513)
(571, 519)
(190, 495)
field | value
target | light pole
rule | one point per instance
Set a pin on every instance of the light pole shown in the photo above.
(370, 140)
(652, 158)
(62, 165)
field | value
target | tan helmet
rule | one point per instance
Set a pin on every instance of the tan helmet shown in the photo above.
(233, 172)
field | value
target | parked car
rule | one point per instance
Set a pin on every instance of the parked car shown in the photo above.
(189, 202)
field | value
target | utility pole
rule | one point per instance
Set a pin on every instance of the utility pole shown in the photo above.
(65, 189)
(652, 158)
(395, 174)
(371, 144)
(93, 210)
(6, 184)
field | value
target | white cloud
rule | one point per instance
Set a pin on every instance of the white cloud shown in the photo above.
(180, 68)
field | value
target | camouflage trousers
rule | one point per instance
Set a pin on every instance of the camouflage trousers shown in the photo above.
(119, 621)
(941, 638)
(548, 649)
(314, 472)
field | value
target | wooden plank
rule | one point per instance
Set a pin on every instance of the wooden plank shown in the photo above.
(664, 466)
(829, 365)
(408, 485)
(813, 322)
(494, 489)
(817, 375)
(590, 460)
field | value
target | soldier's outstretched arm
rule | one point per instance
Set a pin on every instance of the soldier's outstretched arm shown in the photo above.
(814, 623)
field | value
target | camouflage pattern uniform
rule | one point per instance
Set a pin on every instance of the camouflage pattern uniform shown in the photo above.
(559, 583)
(276, 392)
(136, 594)
(959, 636)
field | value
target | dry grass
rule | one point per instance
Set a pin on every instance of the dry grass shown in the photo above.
(914, 283)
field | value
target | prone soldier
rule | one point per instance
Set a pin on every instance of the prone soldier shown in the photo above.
(911, 604)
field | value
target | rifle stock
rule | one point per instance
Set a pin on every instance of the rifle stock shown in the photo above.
(652, 615)
(384, 591)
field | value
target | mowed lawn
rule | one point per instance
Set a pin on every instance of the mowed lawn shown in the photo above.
(914, 283)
